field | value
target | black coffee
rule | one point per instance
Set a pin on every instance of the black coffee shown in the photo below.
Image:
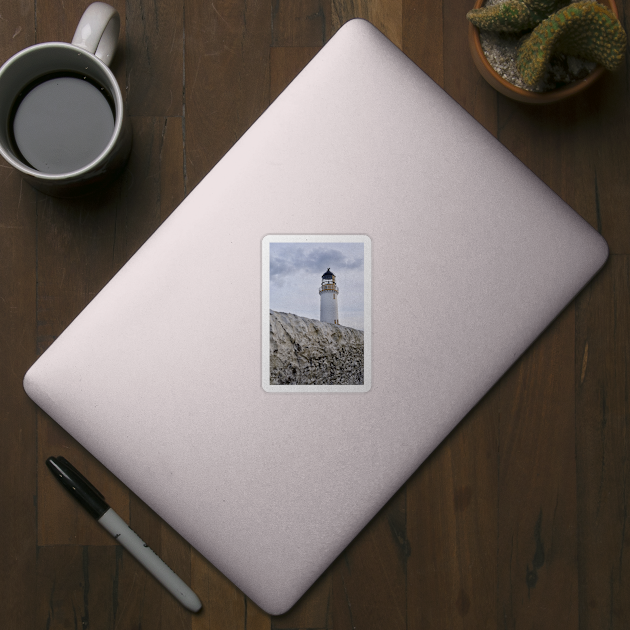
(62, 123)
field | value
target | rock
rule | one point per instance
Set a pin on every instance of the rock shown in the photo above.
(309, 352)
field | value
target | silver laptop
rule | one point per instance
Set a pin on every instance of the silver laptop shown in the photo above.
(317, 315)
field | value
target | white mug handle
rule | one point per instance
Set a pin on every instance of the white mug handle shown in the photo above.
(98, 30)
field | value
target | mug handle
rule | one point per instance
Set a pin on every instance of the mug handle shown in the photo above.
(98, 30)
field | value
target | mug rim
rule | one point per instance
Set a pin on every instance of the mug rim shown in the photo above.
(118, 122)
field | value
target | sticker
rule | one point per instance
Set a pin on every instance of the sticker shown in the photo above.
(316, 313)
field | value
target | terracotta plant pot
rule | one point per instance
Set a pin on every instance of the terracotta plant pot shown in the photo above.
(512, 91)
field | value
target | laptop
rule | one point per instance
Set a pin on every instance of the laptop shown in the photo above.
(316, 316)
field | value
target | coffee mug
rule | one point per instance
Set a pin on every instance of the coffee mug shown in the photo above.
(62, 115)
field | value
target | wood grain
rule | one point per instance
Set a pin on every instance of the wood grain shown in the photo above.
(558, 147)
(18, 324)
(300, 22)
(386, 15)
(226, 78)
(537, 537)
(152, 606)
(76, 587)
(285, 64)
(18, 416)
(452, 526)
(422, 36)
(602, 381)
(369, 577)
(518, 520)
(461, 79)
(61, 520)
(609, 135)
(154, 57)
(224, 606)
(313, 609)
(151, 187)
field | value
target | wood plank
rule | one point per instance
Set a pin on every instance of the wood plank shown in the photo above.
(177, 553)
(76, 587)
(537, 537)
(369, 588)
(17, 28)
(224, 606)
(18, 415)
(129, 587)
(60, 519)
(171, 159)
(452, 527)
(57, 22)
(300, 22)
(607, 119)
(579, 148)
(608, 127)
(556, 148)
(556, 142)
(74, 248)
(576, 147)
(461, 78)
(142, 600)
(603, 443)
(255, 618)
(563, 144)
(423, 36)
(154, 57)
(386, 15)
(152, 185)
(226, 78)
(433, 566)
(18, 420)
(285, 64)
(313, 610)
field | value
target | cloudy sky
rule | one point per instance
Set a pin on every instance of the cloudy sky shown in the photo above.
(296, 271)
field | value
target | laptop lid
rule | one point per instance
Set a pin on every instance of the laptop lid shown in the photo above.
(449, 258)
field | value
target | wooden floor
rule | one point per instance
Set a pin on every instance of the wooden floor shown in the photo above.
(518, 520)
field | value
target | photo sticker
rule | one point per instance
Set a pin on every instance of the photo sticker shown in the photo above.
(316, 313)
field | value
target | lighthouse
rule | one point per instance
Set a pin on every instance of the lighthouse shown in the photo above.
(328, 305)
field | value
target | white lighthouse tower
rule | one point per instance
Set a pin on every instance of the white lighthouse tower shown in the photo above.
(328, 292)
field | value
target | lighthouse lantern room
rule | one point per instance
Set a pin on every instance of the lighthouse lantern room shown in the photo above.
(329, 304)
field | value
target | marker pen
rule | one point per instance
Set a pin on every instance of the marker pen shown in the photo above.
(94, 502)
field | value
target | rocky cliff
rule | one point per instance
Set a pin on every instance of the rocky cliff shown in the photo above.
(309, 352)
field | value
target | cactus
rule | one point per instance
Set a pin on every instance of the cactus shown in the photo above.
(513, 16)
(583, 29)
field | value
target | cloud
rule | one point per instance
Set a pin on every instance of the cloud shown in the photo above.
(296, 271)
(288, 259)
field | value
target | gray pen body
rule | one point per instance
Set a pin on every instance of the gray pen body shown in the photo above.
(149, 559)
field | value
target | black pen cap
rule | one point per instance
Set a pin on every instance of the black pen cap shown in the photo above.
(78, 486)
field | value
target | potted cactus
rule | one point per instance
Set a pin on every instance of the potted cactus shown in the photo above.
(557, 49)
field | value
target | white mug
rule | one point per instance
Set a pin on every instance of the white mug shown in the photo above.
(55, 76)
